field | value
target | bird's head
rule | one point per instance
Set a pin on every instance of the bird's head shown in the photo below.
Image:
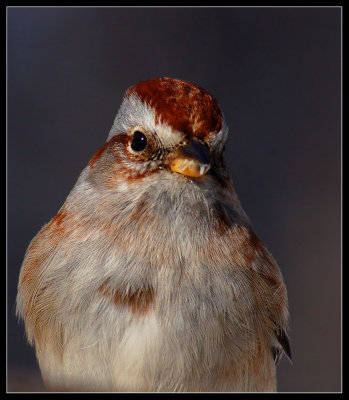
(165, 124)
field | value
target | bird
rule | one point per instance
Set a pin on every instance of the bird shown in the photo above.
(150, 278)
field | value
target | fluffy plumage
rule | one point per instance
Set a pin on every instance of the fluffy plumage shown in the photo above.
(150, 277)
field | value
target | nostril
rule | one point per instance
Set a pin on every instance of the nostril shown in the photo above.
(184, 142)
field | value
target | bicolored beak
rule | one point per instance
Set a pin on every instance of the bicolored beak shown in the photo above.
(191, 160)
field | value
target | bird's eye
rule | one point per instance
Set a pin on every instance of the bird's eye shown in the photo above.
(139, 141)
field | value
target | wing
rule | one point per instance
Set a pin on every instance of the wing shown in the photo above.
(281, 346)
(271, 289)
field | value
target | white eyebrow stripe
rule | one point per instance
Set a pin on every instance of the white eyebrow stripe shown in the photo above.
(133, 112)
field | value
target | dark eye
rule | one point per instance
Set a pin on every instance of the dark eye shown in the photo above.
(139, 141)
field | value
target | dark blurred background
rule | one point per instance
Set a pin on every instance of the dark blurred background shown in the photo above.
(277, 75)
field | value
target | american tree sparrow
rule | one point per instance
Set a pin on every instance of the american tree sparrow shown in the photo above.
(150, 277)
